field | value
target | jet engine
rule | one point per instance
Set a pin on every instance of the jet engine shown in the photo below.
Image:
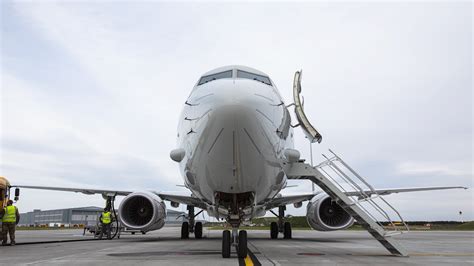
(142, 211)
(325, 215)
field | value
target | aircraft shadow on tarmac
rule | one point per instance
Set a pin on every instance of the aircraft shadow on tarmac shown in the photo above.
(205, 238)
(166, 253)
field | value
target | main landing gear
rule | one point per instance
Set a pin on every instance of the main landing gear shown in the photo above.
(237, 239)
(280, 227)
(186, 229)
(191, 226)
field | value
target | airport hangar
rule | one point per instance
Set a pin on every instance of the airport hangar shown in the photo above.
(79, 216)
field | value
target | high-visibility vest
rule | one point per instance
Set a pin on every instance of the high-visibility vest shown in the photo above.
(9, 215)
(106, 218)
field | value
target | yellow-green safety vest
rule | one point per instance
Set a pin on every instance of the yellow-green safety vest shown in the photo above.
(106, 218)
(9, 215)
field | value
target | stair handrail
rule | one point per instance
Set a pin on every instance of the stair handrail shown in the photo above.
(330, 162)
(371, 188)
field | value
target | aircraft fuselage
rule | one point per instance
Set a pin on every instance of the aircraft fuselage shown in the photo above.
(234, 131)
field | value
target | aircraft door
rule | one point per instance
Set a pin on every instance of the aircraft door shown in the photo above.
(311, 132)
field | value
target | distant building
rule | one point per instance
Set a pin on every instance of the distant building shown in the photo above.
(71, 216)
(76, 216)
(174, 217)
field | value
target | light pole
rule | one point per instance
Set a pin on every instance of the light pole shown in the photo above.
(311, 157)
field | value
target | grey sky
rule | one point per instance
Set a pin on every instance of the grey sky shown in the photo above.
(91, 92)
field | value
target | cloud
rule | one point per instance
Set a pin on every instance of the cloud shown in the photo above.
(50, 148)
(92, 92)
(436, 169)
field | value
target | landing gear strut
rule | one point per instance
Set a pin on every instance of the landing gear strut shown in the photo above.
(280, 226)
(191, 218)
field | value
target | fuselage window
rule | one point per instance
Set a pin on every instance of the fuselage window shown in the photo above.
(252, 76)
(221, 75)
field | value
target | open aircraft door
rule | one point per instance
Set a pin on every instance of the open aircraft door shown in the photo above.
(311, 133)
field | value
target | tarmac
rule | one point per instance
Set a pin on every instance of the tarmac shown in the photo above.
(164, 247)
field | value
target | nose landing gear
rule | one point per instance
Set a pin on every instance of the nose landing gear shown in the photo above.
(238, 239)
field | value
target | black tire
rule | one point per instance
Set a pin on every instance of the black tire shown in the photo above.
(198, 230)
(133, 233)
(287, 230)
(273, 230)
(143, 232)
(185, 230)
(226, 244)
(242, 247)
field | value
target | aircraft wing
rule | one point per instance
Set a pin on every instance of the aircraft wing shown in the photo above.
(286, 200)
(188, 200)
(87, 191)
(396, 190)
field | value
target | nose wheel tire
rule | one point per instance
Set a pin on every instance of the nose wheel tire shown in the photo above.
(226, 243)
(198, 230)
(273, 230)
(287, 230)
(242, 245)
(185, 230)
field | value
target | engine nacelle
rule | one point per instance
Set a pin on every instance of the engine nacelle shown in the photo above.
(325, 215)
(142, 211)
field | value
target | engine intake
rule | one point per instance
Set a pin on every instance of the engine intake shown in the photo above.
(142, 211)
(323, 214)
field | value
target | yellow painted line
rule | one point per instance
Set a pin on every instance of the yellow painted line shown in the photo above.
(248, 261)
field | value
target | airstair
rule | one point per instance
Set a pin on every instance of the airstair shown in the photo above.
(345, 186)
(364, 205)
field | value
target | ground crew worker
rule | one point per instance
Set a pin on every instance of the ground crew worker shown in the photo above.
(106, 220)
(10, 219)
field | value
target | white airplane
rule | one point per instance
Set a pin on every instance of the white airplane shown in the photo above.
(234, 134)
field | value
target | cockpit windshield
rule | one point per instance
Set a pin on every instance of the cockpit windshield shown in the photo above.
(252, 76)
(221, 75)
